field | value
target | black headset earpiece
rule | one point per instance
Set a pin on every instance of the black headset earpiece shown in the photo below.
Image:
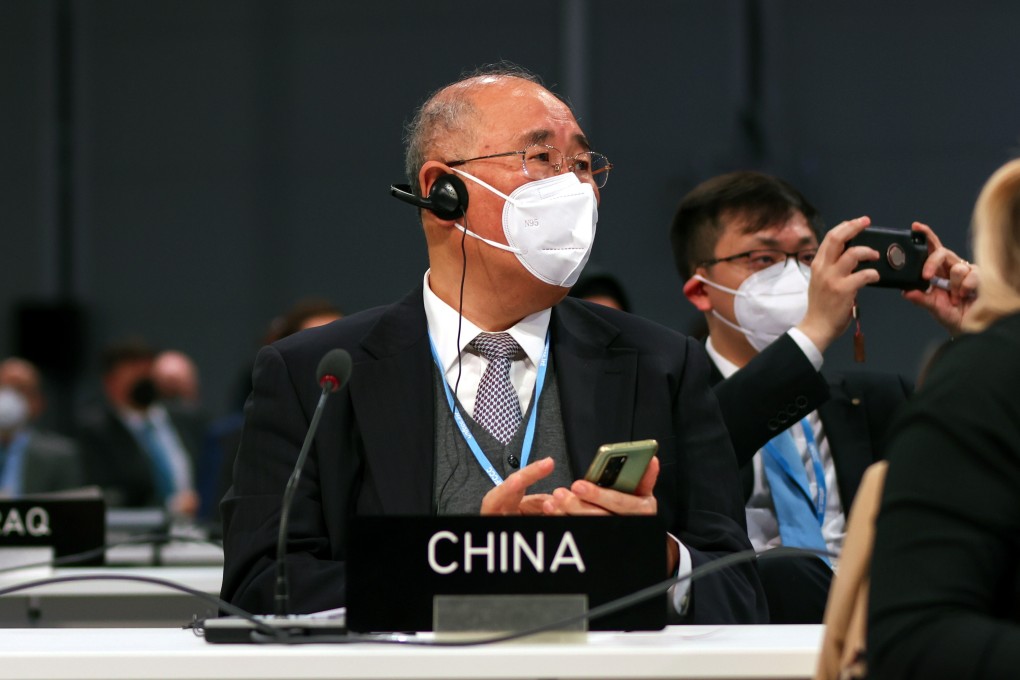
(447, 199)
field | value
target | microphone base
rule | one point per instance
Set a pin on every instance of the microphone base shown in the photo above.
(237, 630)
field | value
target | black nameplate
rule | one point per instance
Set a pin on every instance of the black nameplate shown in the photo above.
(69, 525)
(396, 565)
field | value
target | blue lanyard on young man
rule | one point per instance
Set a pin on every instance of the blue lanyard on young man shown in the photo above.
(821, 499)
(465, 431)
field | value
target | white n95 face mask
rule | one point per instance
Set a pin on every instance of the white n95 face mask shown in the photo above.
(768, 303)
(549, 225)
(13, 409)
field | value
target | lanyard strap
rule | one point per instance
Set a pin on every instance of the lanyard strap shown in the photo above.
(820, 500)
(465, 431)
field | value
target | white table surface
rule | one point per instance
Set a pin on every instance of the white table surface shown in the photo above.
(677, 652)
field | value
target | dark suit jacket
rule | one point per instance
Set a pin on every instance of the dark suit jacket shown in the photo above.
(51, 463)
(780, 386)
(115, 461)
(620, 378)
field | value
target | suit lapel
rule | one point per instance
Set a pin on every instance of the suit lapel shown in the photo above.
(597, 382)
(393, 399)
(844, 418)
(747, 470)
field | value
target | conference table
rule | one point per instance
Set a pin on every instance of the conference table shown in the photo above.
(717, 652)
(128, 629)
(128, 603)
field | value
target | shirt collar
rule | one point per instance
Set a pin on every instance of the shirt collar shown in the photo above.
(529, 332)
(135, 420)
(725, 366)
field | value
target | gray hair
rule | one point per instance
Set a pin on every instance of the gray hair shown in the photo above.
(449, 111)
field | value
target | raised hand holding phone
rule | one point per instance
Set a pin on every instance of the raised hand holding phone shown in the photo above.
(954, 283)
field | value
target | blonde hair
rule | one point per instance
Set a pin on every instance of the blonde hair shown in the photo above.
(996, 233)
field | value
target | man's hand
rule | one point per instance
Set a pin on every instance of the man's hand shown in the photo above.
(834, 283)
(184, 504)
(509, 498)
(948, 307)
(585, 498)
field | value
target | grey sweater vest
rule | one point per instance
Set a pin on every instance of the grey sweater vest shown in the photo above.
(461, 483)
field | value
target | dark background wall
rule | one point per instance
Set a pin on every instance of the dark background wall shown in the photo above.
(185, 169)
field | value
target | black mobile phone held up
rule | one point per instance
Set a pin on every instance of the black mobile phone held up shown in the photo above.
(901, 256)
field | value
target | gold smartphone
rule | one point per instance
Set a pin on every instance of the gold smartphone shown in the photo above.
(621, 466)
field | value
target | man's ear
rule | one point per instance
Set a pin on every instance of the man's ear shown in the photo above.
(430, 170)
(444, 195)
(694, 290)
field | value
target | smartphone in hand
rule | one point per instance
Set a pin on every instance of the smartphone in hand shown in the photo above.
(621, 466)
(901, 255)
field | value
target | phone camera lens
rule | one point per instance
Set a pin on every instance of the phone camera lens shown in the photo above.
(612, 471)
(896, 256)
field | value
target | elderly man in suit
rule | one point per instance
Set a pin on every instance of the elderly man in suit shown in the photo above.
(508, 186)
(31, 460)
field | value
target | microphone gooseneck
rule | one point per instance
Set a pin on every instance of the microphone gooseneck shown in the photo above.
(333, 371)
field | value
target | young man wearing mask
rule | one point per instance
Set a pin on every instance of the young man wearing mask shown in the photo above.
(774, 298)
(31, 460)
(139, 451)
(508, 187)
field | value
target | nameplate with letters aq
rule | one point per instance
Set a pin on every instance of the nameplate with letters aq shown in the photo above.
(68, 523)
(396, 565)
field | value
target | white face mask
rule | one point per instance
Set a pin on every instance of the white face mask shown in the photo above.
(13, 409)
(549, 225)
(768, 303)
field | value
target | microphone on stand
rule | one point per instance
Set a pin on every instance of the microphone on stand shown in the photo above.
(333, 371)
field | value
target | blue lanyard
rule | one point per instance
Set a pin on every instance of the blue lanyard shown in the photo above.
(465, 431)
(821, 499)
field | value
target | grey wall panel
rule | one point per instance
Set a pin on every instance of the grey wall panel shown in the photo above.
(234, 156)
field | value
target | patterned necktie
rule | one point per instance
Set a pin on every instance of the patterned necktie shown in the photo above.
(788, 480)
(497, 408)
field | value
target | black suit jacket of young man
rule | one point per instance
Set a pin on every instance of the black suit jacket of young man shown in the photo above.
(773, 392)
(780, 386)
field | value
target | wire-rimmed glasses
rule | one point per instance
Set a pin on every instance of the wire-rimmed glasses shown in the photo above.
(541, 161)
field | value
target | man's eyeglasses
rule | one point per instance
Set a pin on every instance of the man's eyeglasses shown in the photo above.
(541, 161)
(756, 260)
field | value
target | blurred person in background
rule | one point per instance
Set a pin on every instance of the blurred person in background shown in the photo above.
(31, 460)
(604, 289)
(306, 313)
(140, 451)
(215, 468)
(176, 379)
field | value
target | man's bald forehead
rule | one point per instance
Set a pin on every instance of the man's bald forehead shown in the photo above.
(447, 122)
